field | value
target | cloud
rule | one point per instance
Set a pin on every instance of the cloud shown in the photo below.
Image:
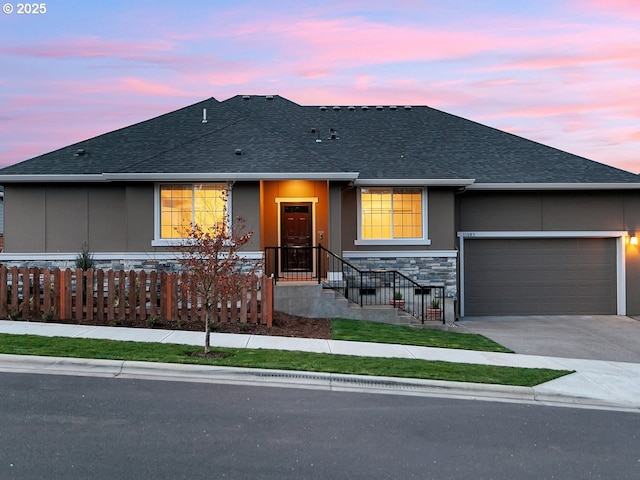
(146, 87)
(92, 47)
(624, 9)
(625, 55)
(626, 136)
(318, 47)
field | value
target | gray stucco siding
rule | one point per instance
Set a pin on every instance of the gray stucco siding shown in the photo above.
(109, 218)
(137, 218)
(441, 218)
(245, 199)
(25, 218)
(531, 211)
(116, 217)
(67, 221)
(106, 208)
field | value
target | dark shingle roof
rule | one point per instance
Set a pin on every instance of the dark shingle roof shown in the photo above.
(277, 136)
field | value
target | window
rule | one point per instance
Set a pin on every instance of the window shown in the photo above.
(182, 205)
(394, 214)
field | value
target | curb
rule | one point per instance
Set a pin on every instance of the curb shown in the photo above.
(294, 379)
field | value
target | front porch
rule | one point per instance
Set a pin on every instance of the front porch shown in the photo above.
(387, 295)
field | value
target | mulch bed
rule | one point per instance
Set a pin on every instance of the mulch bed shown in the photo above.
(284, 325)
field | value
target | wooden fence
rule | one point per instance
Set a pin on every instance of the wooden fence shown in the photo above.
(98, 295)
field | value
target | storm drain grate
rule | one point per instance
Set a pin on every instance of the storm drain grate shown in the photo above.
(343, 381)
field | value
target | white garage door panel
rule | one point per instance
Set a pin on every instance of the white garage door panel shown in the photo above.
(540, 276)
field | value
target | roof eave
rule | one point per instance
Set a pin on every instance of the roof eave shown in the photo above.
(391, 182)
(555, 186)
(179, 177)
(87, 178)
(228, 176)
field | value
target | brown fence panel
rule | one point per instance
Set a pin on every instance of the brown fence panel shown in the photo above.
(4, 300)
(13, 305)
(243, 305)
(232, 301)
(67, 299)
(33, 297)
(153, 294)
(174, 297)
(165, 300)
(253, 300)
(89, 293)
(43, 283)
(132, 297)
(224, 310)
(111, 291)
(267, 301)
(196, 311)
(96, 295)
(77, 297)
(142, 294)
(46, 293)
(57, 287)
(100, 297)
(24, 280)
(183, 302)
(71, 292)
(121, 310)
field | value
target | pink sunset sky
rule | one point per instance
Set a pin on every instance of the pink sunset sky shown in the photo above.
(565, 73)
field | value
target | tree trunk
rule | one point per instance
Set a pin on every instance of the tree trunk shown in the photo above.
(207, 329)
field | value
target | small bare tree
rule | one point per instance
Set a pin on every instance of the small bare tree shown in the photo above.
(210, 255)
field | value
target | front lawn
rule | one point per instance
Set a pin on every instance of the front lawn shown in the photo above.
(275, 359)
(357, 330)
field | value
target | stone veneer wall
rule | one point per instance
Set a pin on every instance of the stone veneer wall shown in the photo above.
(169, 265)
(436, 271)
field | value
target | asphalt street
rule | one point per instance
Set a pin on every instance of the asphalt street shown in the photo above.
(68, 427)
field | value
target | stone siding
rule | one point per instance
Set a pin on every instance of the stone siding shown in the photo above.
(435, 271)
(116, 264)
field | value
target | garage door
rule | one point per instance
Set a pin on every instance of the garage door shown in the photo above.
(561, 276)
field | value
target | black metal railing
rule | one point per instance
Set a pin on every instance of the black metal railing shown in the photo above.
(383, 287)
(291, 263)
(363, 287)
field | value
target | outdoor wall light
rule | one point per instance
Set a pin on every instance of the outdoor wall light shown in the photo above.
(633, 240)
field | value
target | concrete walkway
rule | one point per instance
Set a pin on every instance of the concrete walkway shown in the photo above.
(596, 384)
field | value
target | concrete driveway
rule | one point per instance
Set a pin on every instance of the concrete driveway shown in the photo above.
(595, 337)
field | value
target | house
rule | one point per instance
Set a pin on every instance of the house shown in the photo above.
(505, 224)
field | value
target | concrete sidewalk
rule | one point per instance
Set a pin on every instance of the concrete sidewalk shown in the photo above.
(597, 384)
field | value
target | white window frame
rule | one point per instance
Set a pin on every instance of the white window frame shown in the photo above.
(169, 242)
(395, 241)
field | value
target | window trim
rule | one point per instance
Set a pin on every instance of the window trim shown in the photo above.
(158, 241)
(392, 241)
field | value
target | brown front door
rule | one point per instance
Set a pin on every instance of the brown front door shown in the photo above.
(296, 237)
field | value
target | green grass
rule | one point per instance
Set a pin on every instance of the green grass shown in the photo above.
(275, 359)
(359, 331)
